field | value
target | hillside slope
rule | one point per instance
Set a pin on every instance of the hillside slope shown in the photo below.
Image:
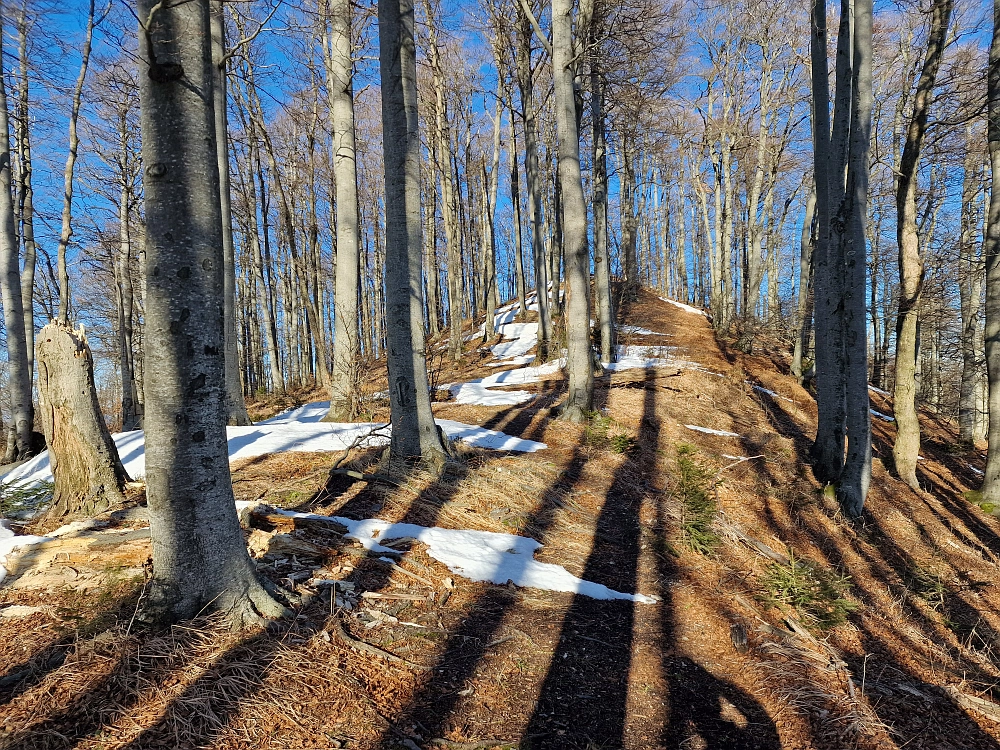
(777, 622)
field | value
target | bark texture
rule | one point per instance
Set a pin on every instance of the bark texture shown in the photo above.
(579, 361)
(415, 436)
(911, 263)
(340, 75)
(602, 254)
(991, 249)
(19, 381)
(852, 488)
(199, 557)
(89, 476)
(237, 408)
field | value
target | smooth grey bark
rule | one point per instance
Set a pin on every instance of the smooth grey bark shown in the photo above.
(491, 182)
(828, 448)
(532, 179)
(236, 405)
(971, 422)
(415, 436)
(340, 87)
(515, 199)
(602, 256)
(991, 249)
(852, 487)
(89, 476)
(132, 412)
(911, 263)
(803, 306)
(25, 190)
(579, 361)
(442, 156)
(19, 378)
(200, 560)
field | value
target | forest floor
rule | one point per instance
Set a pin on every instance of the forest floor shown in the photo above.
(778, 622)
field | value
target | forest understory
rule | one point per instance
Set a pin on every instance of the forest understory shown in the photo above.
(778, 622)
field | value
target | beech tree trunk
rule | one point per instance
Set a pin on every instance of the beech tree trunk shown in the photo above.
(19, 378)
(971, 419)
(911, 263)
(602, 254)
(579, 361)
(828, 448)
(533, 181)
(852, 487)
(340, 75)
(237, 408)
(89, 476)
(25, 190)
(200, 560)
(803, 307)
(991, 249)
(415, 436)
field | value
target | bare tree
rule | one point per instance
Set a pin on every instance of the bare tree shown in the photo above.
(579, 361)
(991, 249)
(199, 557)
(415, 436)
(911, 263)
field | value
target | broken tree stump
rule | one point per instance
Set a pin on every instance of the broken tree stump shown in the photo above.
(89, 476)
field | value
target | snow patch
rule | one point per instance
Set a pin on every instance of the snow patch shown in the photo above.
(477, 555)
(710, 431)
(682, 306)
(10, 542)
(637, 331)
(299, 429)
(883, 417)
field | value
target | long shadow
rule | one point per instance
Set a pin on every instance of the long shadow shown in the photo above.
(467, 646)
(705, 712)
(583, 697)
(21, 677)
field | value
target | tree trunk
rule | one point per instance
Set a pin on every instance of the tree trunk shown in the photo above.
(131, 409)
(852, 488)
(803, 308)
(19, 377)
(991, 250)
(533, 181)
(236, 406)
(911, 264)
(26, 193)
(971, 425)
(602, 256)
(579, 361)
(200, 559)
(89, 476)
(415, 435)
(340, 75)
(515, 199)
(74, 143)
(828, 448)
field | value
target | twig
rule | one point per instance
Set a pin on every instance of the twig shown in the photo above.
(367, 648)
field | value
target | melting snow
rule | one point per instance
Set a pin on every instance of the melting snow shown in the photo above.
(682, 306)
(636, 330)
(883, 417)
(295, 430)
(477, 555)
(710, 431)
